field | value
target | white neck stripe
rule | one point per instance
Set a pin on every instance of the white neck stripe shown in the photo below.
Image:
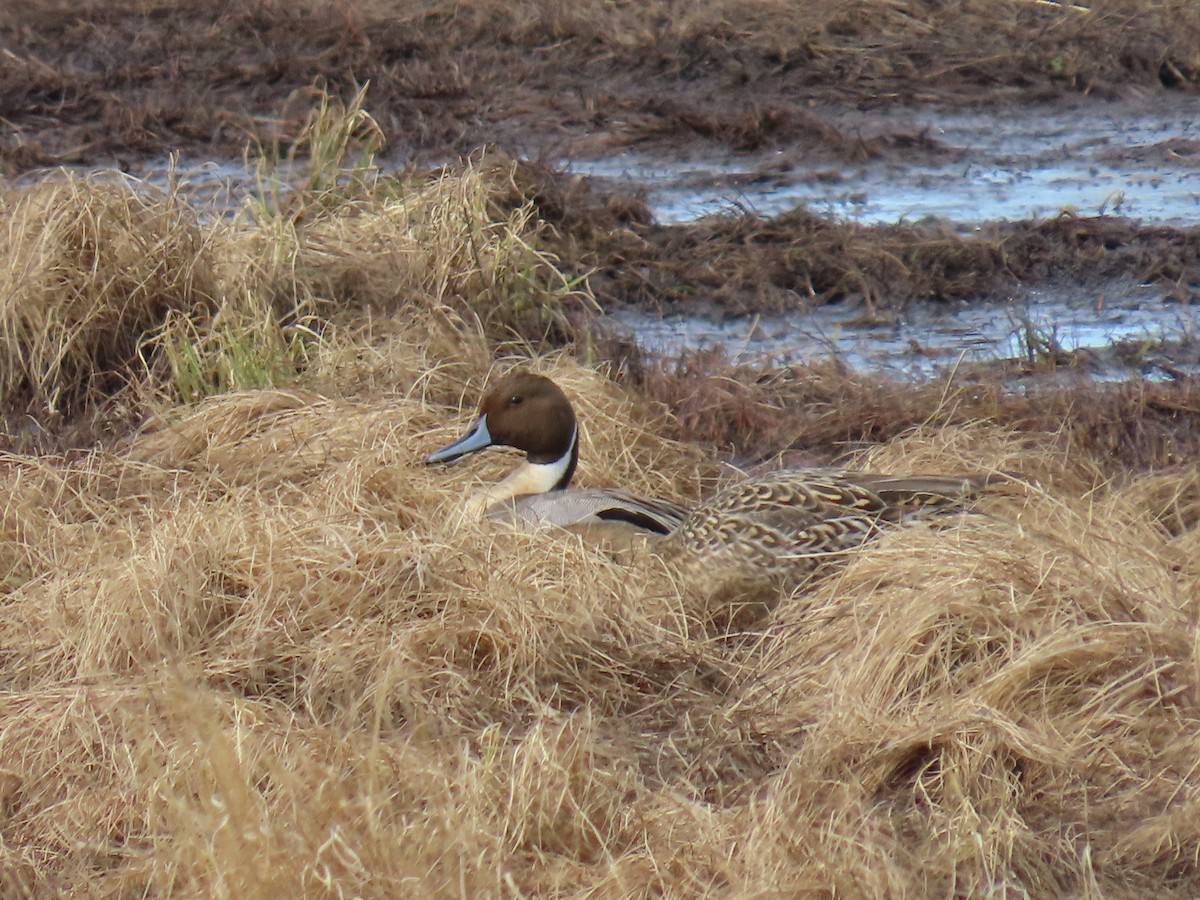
(547, 475)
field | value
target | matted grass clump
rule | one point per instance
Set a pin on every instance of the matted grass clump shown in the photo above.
(87, 268)
(116, 293)
(259, 651)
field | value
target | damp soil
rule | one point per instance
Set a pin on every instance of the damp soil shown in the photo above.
(116, 80)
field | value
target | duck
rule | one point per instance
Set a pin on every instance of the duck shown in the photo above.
(531, 413)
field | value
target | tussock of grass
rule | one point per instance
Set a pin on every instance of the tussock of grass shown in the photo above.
(454, 242)
(987, 691)
(335, 152)
(86, 269)
(111, 285)
(454, 253)
(257, 651)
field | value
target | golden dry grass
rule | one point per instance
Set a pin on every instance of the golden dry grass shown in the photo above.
(109, 284)
(87, 268)
(257, 652)
(253, 650)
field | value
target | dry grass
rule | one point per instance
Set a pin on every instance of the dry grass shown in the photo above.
(115, 293)
(87, 269)
(256, 652)
(252, 649)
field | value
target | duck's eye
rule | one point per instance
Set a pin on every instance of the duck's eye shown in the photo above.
(516, 400)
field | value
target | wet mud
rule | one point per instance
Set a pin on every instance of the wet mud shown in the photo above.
(117, 81)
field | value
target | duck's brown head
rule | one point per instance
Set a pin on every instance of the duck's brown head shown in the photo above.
(528, 412)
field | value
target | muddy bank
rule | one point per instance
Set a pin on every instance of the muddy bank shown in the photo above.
(738, 264)
(103, 82)
(814, 414)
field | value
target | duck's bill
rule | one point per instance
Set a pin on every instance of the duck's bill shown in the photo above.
(476, 439)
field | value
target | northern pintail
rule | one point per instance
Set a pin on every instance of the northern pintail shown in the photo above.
(531, 413)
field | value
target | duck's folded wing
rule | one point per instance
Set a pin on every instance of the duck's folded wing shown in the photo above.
(592, 506)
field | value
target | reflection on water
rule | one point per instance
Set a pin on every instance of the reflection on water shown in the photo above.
(1144, 164)
(929, 339)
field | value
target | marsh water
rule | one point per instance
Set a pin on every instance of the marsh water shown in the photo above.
(1132, 160)
(1131, 330)
(1140, 160)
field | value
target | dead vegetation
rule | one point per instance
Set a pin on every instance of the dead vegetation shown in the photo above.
(252, 648)
(809, 414)
(105, 80)
(257, 652)
(741, 263)
(90, 268)
(118, 297)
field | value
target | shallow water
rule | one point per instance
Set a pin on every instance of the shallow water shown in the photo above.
(1139, 160)
(926, 339)
(1133, 160)
(1121, 159)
